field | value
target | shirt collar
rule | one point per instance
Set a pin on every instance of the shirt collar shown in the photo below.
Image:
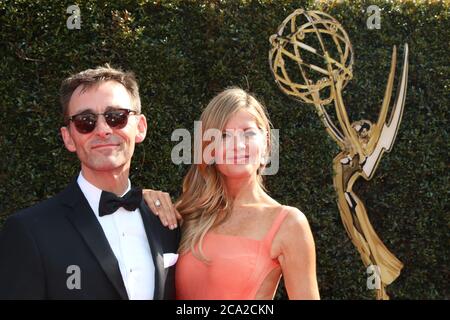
(92, 193)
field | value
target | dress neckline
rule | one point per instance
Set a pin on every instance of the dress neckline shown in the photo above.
(234, 236)
(248, 238)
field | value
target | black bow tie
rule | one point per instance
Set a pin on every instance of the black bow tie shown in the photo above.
(109, 202)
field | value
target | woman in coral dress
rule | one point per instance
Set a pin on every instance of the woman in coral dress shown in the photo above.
(237, 242)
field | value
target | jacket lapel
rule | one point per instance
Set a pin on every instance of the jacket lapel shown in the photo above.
(83, 219)
(151, 224)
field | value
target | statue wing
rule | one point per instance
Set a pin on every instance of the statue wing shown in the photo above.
(384, 134)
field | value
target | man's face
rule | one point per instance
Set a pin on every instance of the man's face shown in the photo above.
(105, 148)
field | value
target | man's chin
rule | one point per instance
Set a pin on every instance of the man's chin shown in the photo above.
(108, 165)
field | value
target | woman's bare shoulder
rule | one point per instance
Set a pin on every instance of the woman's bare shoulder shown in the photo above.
(295, 225)
(294, 232)
(294, 215)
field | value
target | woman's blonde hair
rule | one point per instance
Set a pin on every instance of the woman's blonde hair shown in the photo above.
(204, 202)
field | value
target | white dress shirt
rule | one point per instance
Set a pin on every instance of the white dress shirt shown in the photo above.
(126, 235)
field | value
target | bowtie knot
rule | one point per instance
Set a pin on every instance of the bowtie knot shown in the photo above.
(110, 203)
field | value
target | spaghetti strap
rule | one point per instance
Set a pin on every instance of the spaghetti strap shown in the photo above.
(275, 225)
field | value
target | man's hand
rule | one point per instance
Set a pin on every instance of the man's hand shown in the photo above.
(165, 211)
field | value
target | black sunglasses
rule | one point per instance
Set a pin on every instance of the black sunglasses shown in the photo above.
(85, 122)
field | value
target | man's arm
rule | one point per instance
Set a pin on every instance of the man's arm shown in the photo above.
(21, 271)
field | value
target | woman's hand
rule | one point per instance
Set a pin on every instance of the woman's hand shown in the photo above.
(161, 205)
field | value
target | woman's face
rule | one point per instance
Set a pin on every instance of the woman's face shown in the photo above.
(243, 144)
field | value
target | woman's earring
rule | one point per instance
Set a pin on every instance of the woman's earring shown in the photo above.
(263, 160)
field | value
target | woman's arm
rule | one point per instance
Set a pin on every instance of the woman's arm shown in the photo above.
(298, 257)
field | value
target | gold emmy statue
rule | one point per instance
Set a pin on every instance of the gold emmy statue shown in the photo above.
(316, 47)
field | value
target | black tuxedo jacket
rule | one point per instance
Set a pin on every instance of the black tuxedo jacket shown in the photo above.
(39, 245)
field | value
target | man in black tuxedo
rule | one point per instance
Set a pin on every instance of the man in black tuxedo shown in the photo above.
(96, 239)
